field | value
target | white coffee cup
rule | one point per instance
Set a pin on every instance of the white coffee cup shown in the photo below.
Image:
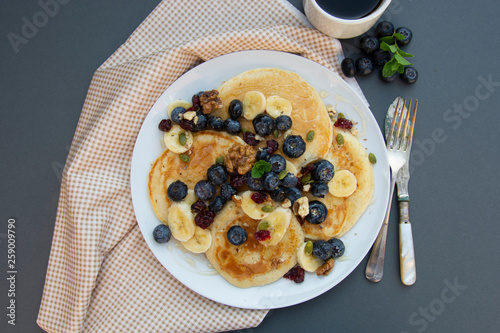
(341, 28)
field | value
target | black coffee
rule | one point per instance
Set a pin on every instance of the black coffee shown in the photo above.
(348, 9)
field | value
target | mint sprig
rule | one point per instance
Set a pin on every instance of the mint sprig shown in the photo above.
(260, 168)
(398, 61)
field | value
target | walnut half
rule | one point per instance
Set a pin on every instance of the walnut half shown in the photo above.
(326, 268)
(210, 101)
(240, 158)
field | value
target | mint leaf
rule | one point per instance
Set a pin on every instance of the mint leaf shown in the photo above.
(387, 70)
(402, 61)
(398, 36)
(387, 40)
(260, 168)
(404, 54)
(401, 69)
(384, 46)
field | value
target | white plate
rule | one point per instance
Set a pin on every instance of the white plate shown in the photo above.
(194, 271)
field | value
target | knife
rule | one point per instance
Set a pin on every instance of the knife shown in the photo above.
(406, 251)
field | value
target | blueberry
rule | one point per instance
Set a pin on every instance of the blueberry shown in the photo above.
(410, 75)
(348, 67)
(289, 181)
(162, 234)
(322, 249)
(262, 154)
(278, 162)
(317, 212)
(384, 28)
(283, 123)
(364, 66)
(294, 146)
(201, 123)
(236, 235)
(263, 125)
(323, 171)
(255, 184)
(216, 123)
(217, 174)
(227, 191)
(204, 190)
(270, 181)
(216, 205)
(177, 191)
(235, 109)
(176, 113)
(369, 44)
(338, 247)
(389, 78)
(380, 57)
(279, 194)
(293, 194)
(319, 189)
(232, 126)
(408, 35)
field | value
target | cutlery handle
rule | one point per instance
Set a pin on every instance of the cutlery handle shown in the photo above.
(375, 267)
(406, 251)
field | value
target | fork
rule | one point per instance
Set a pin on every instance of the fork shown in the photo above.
(398, 151)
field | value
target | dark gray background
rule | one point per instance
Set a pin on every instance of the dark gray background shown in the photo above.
(454, 187)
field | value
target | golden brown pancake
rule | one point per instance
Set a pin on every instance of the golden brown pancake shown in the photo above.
(251, 264)
(343, 213)
(308, 110)
(207, 146)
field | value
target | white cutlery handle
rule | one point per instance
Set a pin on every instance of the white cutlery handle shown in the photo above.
(406, 251)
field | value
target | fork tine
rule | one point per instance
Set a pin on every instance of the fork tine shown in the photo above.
(398, 140)
(410, 139)
(391, 131)
(405, 135)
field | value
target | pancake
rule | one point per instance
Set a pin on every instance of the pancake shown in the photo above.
(308, 110)
(251, 264)
(343, 213)
(207, 146)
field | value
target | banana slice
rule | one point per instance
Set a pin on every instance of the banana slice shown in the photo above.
(252, 209)
(290, 168)
(308, 261)
(254, 103)
(277, 106)
(181, 221)
(176, 103)
(278, 220)
(172, 141)
(343, 183)
(200, 242)
(190, 197)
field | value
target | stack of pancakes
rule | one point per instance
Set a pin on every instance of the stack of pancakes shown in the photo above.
(252, 263)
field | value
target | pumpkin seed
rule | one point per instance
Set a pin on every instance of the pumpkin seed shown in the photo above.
(372, 158)
(310, 136)
(340, 139)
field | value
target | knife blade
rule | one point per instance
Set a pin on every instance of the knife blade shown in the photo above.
(406, 249)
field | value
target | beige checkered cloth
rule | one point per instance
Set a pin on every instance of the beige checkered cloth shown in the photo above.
(101, 276)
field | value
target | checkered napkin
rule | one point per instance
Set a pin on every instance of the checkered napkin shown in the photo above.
(101, 276)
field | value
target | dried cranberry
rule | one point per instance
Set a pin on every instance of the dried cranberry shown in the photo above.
(262, 235)
(296, 274)
(258, 197)
(249, 138)
(196, 101)
(187, 125)
(198, 206)
(238, 181)
(272, 146)
(343, 123)
(165, 125)
(204, 219)
(307, 169)
(299, 185)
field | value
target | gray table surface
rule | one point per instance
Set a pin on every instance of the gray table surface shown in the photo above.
(454, 187)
